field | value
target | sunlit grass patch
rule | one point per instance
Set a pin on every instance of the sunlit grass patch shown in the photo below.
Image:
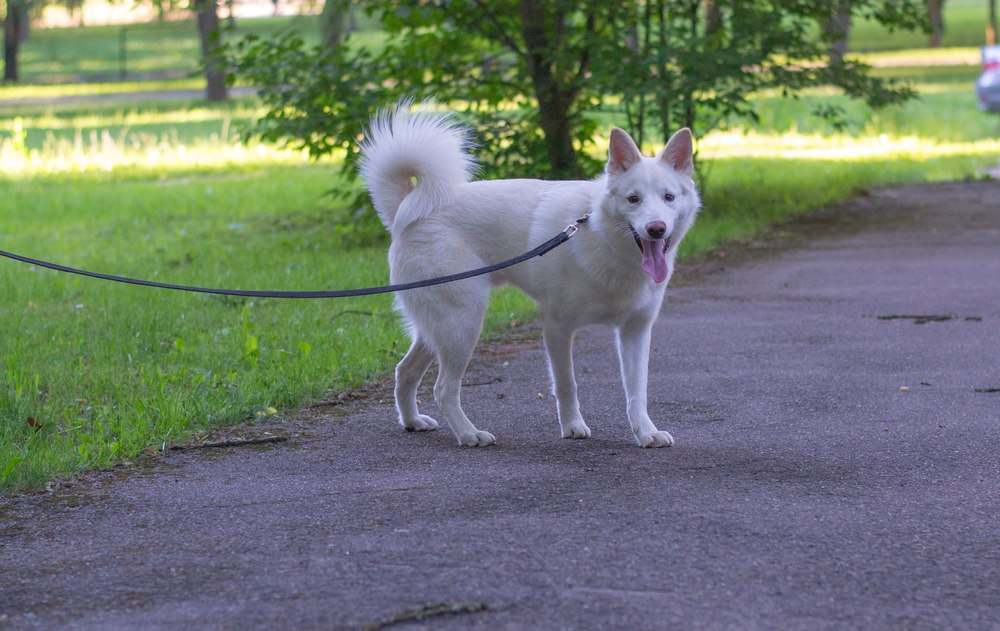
(103, 151)
(40, 93)
(941, 112)
(760, 173)
(748, 192)
(80, 136)
(917, 57)
(124, 128)
(814, 146)
(168, 116)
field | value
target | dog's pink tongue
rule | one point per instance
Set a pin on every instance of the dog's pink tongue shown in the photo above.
(654, 262)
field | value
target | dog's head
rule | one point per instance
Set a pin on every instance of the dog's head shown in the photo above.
(653, 200)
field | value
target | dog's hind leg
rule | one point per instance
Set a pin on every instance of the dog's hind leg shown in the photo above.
(454, 336)
(409, 372)
(559, 345)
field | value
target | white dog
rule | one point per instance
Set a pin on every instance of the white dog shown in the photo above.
(614, 271)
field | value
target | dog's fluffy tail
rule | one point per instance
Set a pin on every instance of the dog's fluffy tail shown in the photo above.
(411, 162)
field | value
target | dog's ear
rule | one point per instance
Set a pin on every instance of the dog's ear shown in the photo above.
(622, 152)
(678, 154)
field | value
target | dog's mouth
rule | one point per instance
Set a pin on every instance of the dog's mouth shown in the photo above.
(654, 260)
(639, 240)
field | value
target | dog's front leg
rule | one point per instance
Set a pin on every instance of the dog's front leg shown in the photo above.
(633, 352)
(559, 344)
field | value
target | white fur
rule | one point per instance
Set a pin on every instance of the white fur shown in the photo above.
(395, 157)
(446, 224)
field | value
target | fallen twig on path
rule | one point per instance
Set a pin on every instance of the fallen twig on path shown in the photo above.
(236, 442)
(426, 611)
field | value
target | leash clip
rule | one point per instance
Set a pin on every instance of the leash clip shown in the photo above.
(574, 227)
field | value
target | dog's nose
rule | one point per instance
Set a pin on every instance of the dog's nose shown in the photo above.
(656, 229)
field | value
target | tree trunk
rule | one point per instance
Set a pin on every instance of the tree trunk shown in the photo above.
(837, 27)
(991, 22)
(333, 21)
(13, 28)
(553, 116)
(554, 100)
(713, 17)
(211, 37)
(937, 22)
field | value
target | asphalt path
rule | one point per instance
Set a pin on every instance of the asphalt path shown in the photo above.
(834, 391)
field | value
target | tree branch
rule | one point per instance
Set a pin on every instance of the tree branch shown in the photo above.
(502, 33)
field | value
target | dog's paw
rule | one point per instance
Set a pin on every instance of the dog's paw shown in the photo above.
(422, 423)
(476, 438)
(576, 429)
(655, 439)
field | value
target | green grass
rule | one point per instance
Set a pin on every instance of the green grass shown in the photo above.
(934, 78)
(788, 162)
(46, 126)
(944, 111)
(746, 194)
(52, 130)
(31, 94)
(965, 25)
(93, 373)
(153, 50)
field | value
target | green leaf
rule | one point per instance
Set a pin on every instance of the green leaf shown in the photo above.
(8, 467)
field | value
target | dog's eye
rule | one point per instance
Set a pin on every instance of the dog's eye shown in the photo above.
(633, 199)
(669, 197)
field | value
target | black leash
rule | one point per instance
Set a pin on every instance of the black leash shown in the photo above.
(548, 246)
